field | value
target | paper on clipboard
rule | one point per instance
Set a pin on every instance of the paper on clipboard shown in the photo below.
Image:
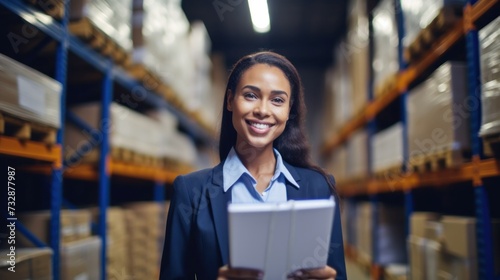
(279, 238)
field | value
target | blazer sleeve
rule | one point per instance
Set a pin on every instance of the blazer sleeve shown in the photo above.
(336, 257)
(177, 258)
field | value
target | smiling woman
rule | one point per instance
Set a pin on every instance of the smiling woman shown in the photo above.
(264, 158)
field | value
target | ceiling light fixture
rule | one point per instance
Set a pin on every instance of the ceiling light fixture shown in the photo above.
(260, 15)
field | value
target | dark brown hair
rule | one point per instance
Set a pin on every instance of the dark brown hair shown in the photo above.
(292, 144)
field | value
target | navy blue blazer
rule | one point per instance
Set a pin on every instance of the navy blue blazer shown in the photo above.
(196, 238)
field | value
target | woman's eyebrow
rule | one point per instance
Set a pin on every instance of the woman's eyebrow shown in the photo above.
(254, 88)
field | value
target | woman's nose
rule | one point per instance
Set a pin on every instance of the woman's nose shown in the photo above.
(261, 109)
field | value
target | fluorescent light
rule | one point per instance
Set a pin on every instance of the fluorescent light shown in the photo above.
(260, 15)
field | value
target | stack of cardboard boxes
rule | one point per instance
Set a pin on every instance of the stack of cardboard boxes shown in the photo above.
(143, 221)
(80, 252)
(117, 257)
(444, 247)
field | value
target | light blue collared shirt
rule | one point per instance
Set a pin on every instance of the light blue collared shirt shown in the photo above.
(242, 184)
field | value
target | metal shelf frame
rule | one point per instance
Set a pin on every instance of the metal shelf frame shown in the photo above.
(66, 42)
(473, 172)
(59, 32)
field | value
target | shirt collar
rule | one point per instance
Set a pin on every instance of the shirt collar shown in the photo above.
(233, 169)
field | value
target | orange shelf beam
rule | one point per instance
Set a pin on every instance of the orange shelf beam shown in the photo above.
(402, 182)
(482, 7)
(142, 172)
(344, 133)
(89, 172)
(436, 51)
(82, 172)
(30, 150)
(405, 78)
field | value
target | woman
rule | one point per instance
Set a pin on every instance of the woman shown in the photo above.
(264, 158)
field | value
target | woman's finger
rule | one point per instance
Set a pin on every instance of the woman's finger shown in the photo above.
(317, 273)
(239, 273)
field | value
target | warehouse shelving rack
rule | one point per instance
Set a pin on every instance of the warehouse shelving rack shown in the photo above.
(55, 167)
(476, 14)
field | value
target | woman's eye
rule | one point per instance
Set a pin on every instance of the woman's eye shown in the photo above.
(278, 100)
(249, 95)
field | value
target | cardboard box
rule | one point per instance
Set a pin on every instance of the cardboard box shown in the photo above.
(75, 225)
(452, 267)
(30, 263)
(396, 272)
(81, 259)
(418, 222)
(433, 254)
(434, 231)
(416, 248)
(459, 236)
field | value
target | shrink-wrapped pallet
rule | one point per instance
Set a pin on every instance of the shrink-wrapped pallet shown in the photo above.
(337, 163)
(161, 34)
(438, 113)
(385, 37)
(113, 17)
(81, 259)
(490, 75)
(356, 49)
(28, 94)
(177, 52)
(387, 147)
(357, 155)
(339, 95)
(389, 231)
(128, 130)
(418, 14)
(154, 135)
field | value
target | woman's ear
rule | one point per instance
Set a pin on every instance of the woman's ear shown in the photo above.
(230, 100)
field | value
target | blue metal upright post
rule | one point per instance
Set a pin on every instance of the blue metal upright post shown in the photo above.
(57, 173)
(159, 197)
(104, 161)
(159, 193)
(404, 116)
(483, 226)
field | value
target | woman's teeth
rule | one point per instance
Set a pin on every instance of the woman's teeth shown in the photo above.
(260, 125)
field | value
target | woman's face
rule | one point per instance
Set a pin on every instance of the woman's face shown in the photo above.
(260, 106)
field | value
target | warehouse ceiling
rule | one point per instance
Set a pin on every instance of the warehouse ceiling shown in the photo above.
(303, 30)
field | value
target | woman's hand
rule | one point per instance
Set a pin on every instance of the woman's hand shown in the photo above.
(226, 273)
(316, 273)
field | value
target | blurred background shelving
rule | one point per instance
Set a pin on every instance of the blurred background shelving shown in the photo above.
(103, 103)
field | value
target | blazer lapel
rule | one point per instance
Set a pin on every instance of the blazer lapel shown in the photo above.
(292, 193)
(218, 202)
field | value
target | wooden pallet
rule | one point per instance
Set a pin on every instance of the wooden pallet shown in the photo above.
(26, 130)
(129, 156)
(54, 8)
(99, 41)
(491, 146)
(390, 83)
(447, 17)
(141, 73)
(439, 160)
